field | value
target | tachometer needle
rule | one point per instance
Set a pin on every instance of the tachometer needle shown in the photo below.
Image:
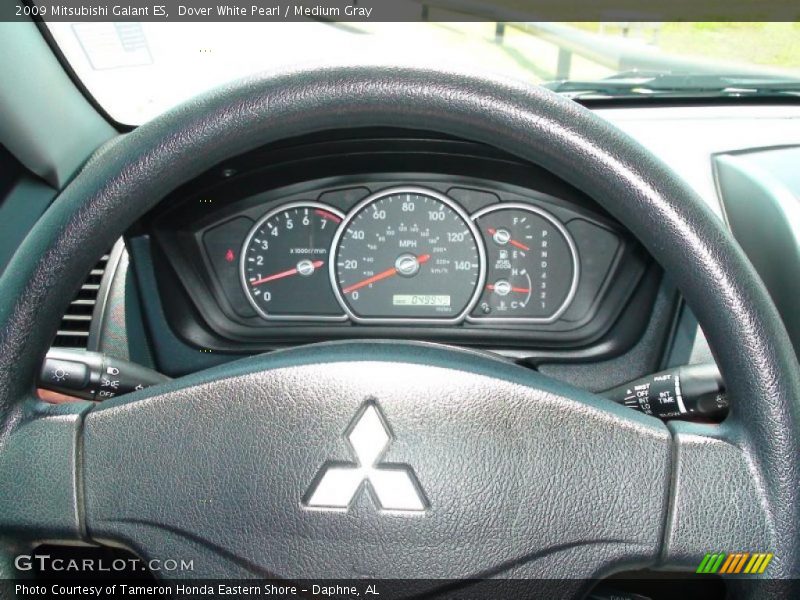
(514, 243)
(421, 259)
(316, 264)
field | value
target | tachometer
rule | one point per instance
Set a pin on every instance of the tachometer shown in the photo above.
(284, 263)
(407, 254)
(531, 263)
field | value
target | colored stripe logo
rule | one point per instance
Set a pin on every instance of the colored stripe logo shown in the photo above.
(735, 562)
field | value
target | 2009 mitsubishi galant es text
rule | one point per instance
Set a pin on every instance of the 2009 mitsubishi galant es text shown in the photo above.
(458, 308)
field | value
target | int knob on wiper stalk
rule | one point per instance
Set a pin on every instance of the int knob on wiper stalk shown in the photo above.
(691, 392)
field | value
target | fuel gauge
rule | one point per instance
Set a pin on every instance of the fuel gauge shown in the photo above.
(531, 265)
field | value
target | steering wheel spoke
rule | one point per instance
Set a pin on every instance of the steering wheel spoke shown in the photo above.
(39, 468)
(717, 500)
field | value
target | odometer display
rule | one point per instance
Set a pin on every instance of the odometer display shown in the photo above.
(416, 299)
(284, 264)
(407, 254)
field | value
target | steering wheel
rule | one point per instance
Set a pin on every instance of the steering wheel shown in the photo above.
(397, 460)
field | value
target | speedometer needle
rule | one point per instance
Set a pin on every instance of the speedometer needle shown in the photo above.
(316, 264)
(423, 258)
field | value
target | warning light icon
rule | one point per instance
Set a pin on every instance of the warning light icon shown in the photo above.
(229, 255)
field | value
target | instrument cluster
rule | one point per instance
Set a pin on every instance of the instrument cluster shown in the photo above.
(251, 263)
(409, 255)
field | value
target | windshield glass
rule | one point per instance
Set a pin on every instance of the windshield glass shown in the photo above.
(138, 70)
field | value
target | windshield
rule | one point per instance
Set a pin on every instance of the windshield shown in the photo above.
(138, 70)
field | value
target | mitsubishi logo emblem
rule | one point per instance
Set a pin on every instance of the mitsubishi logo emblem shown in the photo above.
(394, 487)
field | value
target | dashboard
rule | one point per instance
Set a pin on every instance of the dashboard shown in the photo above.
(171, 299)
(391, 235)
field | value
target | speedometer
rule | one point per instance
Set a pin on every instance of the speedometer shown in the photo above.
(407, 254)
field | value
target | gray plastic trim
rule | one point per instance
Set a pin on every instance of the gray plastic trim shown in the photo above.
(53, 139)
(763, 212)
(99, 329)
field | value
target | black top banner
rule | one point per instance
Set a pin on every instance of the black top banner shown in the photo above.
(400, 10)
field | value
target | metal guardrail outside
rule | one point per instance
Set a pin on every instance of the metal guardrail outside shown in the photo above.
(617, 54)
(622, 54)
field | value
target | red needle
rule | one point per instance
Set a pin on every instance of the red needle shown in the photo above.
(490, 287)
(423, 258)
(316, 264)
(515, 243)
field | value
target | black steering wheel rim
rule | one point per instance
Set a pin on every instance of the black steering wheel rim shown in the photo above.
(133, 173)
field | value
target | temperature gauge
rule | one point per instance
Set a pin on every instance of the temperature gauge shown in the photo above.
(531, 265)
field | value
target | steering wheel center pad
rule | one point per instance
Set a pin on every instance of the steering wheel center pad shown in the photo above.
(494, 449)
